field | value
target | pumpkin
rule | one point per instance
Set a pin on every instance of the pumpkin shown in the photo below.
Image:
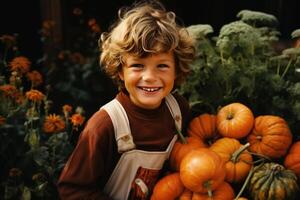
(202, 170)
(273, 181)
(235, 120)
(168, 187)
(270, 136)
(292, 159)
(181, 149)
(238, 160)
(204, 127)
(223, 192)
(186, 195)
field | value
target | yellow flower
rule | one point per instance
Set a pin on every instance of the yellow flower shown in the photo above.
(77, 119)
(35, 77)
(53, 124)
(35, 95)
(20, 64)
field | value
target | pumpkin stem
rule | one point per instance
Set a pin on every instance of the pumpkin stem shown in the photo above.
(182, 138)
(263, 157)
(251, 172)
(207, 185)
(229, 116)
(235, 156)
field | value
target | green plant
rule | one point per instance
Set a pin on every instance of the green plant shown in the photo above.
(243, 64)
(35, 142)
(72, 67)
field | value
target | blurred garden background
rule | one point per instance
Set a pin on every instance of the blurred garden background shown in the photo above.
(51, 82)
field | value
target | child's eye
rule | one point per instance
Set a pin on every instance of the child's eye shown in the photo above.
(163, 66)
(136, 65)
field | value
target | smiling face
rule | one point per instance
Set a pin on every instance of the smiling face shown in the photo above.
(150, 79)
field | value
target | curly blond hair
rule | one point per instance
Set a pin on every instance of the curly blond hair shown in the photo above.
(146, 28)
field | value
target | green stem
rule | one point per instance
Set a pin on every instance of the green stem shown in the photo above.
(287, 68)
(251, 172)
(278, 68)
(235, 156)
(207, 185)
(245, 183)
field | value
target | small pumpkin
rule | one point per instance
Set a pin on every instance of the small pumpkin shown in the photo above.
(273, 181)
(180, 149)
(186, 195)
(235, 120)
(202, 170)
(238, 160)
(223, 192)
(168, 188)
(204, 127)
(271, 136)
(292, 159)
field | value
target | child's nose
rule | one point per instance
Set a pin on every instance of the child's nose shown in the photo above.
(149, 75)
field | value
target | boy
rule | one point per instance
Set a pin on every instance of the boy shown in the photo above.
(124, 145)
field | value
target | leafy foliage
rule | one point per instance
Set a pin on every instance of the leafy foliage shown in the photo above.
(242, 64)
(35, 142)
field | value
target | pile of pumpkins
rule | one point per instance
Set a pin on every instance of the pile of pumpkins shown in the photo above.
(233, 147)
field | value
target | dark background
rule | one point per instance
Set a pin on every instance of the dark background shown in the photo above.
(24, 17)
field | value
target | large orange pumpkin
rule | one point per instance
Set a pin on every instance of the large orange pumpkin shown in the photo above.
(168, 188)
(270, 136)
(181, 149)
(202, 170)
(238, 160)
(204, 127)
(292, 159)
(223, 192)
(235, 120)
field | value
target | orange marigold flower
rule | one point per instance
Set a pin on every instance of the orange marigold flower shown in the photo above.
(53, 124)
(8, 90)
(96, 28)
(61, 55)
(2, 120)
(35, 77)
(48, 24)
(20, 63)
(77, 58)
(92, 21)
(67, 108)
(77, 11)
(15, 172)
(35, 95)
(77, 119)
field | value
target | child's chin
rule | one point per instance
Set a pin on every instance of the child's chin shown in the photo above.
(151, 103)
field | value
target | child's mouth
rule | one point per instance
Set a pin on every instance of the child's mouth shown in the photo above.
(148, 89)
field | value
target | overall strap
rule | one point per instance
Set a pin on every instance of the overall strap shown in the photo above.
(175, 110)
(121, 125)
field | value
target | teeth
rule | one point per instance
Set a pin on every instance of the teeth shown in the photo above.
(150, 89)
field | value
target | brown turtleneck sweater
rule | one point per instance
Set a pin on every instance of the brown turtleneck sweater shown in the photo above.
(95, 156)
